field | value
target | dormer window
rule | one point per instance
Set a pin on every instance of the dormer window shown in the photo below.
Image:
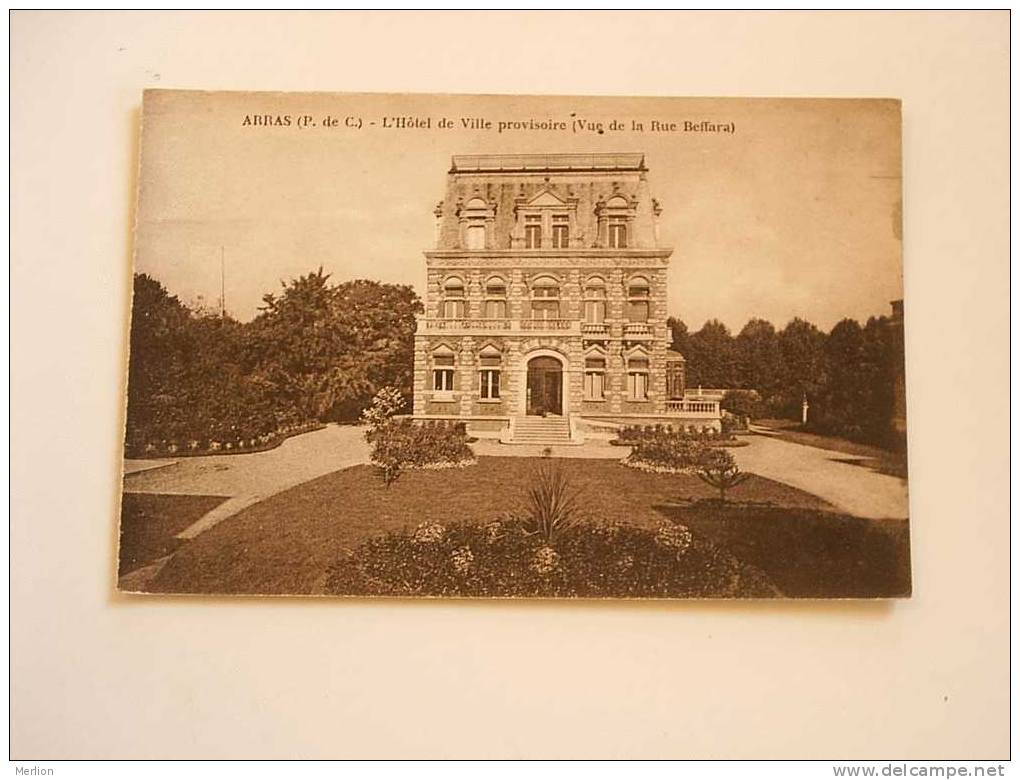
(617, 234)
(560, 231)
(615, 219)
(476, 218)
(533, 231)
(453, 298)
(476, 235)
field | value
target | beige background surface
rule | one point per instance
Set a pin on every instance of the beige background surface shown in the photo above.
(99, 675)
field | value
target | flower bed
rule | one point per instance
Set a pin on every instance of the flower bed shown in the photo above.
(507, 558)
(402, 444)
(228, 446)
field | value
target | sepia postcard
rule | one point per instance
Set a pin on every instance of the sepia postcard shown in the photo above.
(516, 346)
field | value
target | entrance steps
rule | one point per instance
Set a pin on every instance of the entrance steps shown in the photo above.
(533, 429)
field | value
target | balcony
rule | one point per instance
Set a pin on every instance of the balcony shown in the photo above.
(637, 331)
(595, 330)
(498, 327)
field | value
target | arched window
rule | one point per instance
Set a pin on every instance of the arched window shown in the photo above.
(545, 298)
(638, 299)
(491, 361)
(637, 377)
(595, 300)
(495, 298)
(453, 298)
(443, 359)
(474, 216)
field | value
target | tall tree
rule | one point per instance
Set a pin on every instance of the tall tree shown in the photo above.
(711, 359)
(328, 349)
(758, 358)
(679, 337)
(802, 350)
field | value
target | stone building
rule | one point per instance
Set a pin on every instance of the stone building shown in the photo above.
(545, 310)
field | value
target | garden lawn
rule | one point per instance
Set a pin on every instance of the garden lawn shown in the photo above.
(149, 523)
(808, 553)
(286, 543)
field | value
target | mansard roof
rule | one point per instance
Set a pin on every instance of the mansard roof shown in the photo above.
(537, 163)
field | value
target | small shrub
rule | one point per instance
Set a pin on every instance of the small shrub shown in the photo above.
(387, 402)
(719, 469)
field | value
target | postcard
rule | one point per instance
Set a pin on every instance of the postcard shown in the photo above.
(516, 346)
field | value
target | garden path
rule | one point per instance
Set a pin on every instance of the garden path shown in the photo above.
(253, 477)
(828, 474)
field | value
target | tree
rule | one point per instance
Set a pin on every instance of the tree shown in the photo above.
(719, 469)
(329, 349)
(711, 359)
(758, 358)
(802, 350)
(679, 336)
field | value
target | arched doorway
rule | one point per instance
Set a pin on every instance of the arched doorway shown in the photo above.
(545, 386)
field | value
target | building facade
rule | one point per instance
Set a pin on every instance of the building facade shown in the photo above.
(545, 307)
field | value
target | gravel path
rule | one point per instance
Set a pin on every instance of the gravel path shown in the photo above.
(843, 480)
(248, 479)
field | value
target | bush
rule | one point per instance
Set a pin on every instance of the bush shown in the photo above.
(398, 445)
(743, 403)
(508, 559)
(719, 469)
(667, 452)
(385, 404)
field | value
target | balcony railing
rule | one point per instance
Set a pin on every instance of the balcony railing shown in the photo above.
(690, 408)
(550, 324)
(464, 323)
(594, 329)
(637, 330)
(507, 326)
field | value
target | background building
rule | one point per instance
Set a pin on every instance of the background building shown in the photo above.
(545, 309)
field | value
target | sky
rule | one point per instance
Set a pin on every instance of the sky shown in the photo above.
(796, 213)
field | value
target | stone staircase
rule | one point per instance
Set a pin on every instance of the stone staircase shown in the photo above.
(550, 430)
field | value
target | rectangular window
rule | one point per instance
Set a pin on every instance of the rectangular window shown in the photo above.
(442, 380)
(617, 235)
(637, 385)
(495, 310)
(533, 232)
(489, 384)
(594, 379)
(594, 311)
(476, 237)
(453, 310)
(545, 310)
(560, 231)
(675, 381)
(637, 311)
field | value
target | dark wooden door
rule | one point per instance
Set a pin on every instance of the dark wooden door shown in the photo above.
(545, 386)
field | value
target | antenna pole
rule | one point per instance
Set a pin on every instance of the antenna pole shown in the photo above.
(223, 286)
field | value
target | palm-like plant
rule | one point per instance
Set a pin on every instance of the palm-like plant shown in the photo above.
(552, 503)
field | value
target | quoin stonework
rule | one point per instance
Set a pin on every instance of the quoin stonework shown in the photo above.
(546, 308)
